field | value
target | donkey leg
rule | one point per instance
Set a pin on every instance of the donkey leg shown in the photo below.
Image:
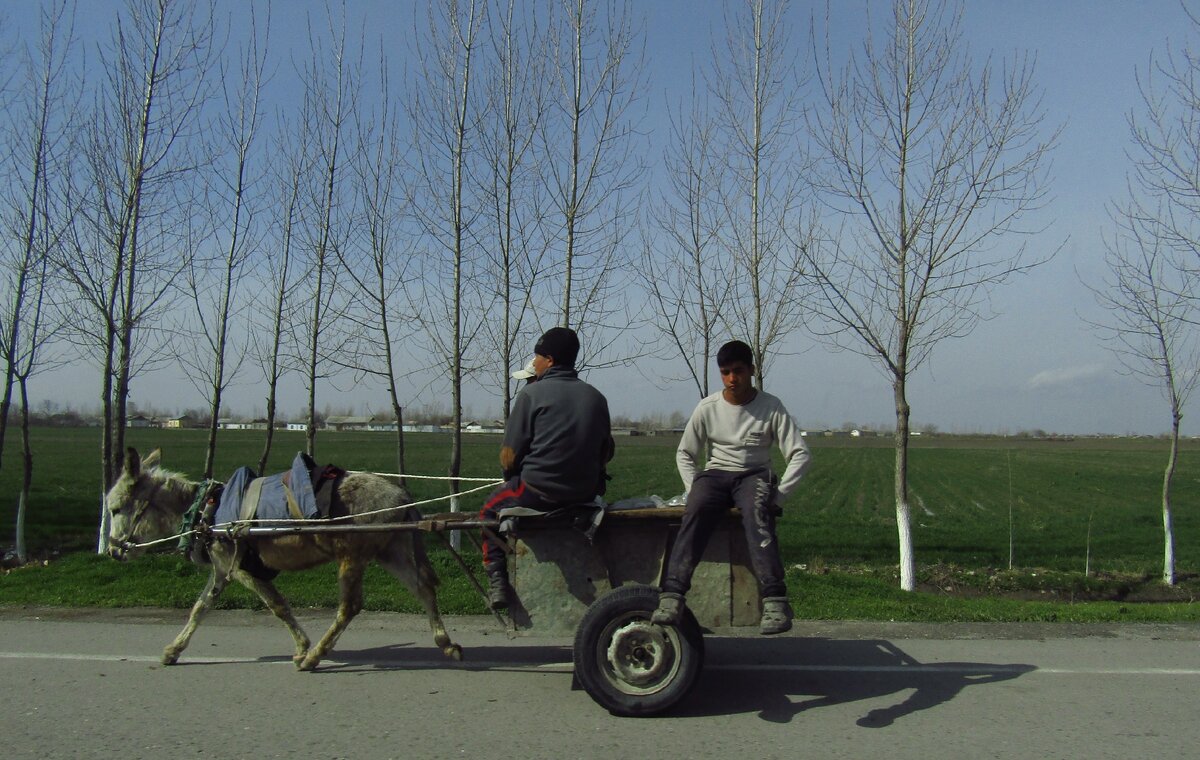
(407, 560)
(350, 601)
(279, 607)
(217, 581)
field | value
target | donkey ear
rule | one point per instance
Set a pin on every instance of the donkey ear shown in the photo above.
(133, 462)
(152, 458)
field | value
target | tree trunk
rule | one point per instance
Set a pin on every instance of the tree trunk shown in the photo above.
(27, 475)
(1168, 530)
(107, 463)
(277, 333)
(262, 460)
(903, 518)
(456, 382)
(398, 412)
(210, 450)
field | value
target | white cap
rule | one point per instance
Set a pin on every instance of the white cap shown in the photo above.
(525, 372)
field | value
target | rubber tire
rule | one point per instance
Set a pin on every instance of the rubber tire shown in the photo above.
(624, 615)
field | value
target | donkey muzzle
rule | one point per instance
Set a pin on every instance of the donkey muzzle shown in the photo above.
(118, 550)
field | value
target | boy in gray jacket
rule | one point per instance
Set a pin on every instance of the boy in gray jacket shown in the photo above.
(733, 431)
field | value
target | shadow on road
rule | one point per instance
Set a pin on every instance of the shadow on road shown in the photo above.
(419, 656)
(781, 678)
(776, 678)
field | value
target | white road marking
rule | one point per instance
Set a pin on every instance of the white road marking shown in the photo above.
(566, 667)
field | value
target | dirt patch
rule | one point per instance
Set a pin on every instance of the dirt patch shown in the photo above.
(1049, 585)
(1029, 584)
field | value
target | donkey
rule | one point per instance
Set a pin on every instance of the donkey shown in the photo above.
(147, 503)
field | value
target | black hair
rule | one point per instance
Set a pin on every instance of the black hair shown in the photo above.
(735, 351)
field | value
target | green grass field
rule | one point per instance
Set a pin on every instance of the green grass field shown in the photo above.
(1092, 503)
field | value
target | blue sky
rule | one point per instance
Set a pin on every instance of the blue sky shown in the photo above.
(1036, 364)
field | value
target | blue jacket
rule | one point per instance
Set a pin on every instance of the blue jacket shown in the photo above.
(559, 437)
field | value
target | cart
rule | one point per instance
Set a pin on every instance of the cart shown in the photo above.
(604, 588)
(599, 580)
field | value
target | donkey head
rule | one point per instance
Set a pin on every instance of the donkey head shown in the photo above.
(136, 506)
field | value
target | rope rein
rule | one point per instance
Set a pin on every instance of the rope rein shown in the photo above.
(421, 477)
(232, 527)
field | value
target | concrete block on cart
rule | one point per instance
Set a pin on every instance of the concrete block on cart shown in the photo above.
(745, 606)
(633, 551)
(556, 574)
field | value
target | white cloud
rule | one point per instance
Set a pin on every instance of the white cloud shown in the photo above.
(1063, 376)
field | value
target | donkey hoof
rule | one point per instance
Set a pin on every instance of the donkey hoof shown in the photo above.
(169, 657)
(308, 663)
(454, 652)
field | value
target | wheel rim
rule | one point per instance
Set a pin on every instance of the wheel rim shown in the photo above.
(638, 657)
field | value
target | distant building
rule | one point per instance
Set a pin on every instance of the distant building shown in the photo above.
(376, 423)
(346, 423)
(422, 429)
(494, 426)
(138, 421)
(382, 424)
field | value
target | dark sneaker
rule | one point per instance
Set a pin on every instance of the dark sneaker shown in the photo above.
(499, 589)
(776, 615)
(670, 607)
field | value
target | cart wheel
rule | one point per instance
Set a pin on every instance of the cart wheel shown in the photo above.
(628, 664)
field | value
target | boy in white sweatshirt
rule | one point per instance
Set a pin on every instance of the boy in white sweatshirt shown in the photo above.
(733, 430)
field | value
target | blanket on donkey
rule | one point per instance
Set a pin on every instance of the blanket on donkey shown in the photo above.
(298, 494)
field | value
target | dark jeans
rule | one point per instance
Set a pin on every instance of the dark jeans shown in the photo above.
(713, 493)
(514, 493)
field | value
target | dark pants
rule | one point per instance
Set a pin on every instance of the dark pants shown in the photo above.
(713, 493)
(513, 493)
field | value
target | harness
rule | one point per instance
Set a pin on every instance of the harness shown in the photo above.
(304, 492)
(309, 490)
(197, 520)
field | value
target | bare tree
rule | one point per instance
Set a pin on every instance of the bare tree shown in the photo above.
(379, 265)
(214, 353)
(516, 90)
(330, 103)
(1166, 148)
(29, 359)
(688, 279)
(931, 159)
(142, 157)
(592, 168)
(445, 119)
(1150, 298)
(758, 88)
(1153, 260)
(291, 170)
(36, 134)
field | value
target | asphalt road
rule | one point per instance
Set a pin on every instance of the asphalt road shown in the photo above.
(88, 684)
